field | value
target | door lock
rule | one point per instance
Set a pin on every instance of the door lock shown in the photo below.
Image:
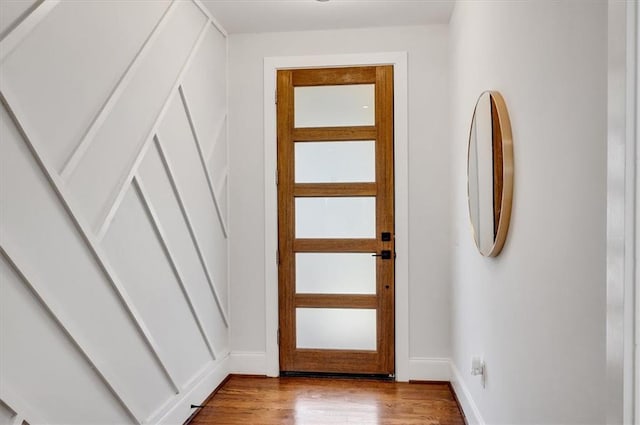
(385, 254)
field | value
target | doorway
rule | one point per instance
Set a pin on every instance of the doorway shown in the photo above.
(336, 230)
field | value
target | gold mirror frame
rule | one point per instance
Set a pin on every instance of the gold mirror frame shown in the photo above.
(502, 143)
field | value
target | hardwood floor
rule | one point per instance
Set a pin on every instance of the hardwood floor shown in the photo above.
(320, 401)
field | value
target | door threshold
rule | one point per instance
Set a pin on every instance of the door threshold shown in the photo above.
(332, 375)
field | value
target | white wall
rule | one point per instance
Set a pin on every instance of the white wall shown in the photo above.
(427, 49)
(113, 241)
(637, 223)
(536, 313)
(635, 201)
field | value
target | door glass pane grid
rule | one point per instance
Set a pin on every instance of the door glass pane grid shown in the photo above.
(334, 106)
(335, 162)
(336, 328)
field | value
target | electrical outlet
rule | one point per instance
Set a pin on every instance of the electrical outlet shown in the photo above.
(478, 368)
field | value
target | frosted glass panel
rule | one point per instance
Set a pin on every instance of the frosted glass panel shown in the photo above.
(332, 273)
(336, 217)
(336, 328)
(334, 106)
(326, 162)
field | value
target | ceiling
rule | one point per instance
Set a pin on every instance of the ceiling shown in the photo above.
(238, 16)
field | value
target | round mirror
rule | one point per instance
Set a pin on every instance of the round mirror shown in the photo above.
(490, 173)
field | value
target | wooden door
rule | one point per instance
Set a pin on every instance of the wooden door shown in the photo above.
(335, 220)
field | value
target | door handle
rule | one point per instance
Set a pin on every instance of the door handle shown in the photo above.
(385, 254)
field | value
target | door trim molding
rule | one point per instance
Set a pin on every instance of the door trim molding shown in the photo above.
(401, 142)
(622, 218)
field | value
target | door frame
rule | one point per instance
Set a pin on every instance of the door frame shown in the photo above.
(401, 187)
(622, 329)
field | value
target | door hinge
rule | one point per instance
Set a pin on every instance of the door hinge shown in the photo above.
(277, 177)
(277, 257)
(275, 96)
(278, 340)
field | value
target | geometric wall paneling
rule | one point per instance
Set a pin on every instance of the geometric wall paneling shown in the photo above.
(127, 178)
(18, 20)
(195, 237)
(220, 261)
(113, 249)
(159, 193)
(154, 288)
(180, 152)
(11, 14)
(217, 159)
(223, 189)
(162, 238)
(107, 163)
(201, 157)
(18, 407)
(108, 105)
(43, 81)
(37, 220)
(204, 87)
(41, 358)
(7, 414)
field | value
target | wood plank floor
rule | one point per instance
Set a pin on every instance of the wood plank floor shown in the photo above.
(320, 401)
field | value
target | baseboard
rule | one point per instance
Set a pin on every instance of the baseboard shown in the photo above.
(248, 362)
(467, 404)
(429, 369)
(180, 410)
(206, 400)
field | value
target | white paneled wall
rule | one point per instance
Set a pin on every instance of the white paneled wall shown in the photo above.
(12, 12)
(113, 186)
(7, 415)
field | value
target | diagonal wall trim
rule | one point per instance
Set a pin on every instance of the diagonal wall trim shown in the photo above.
(5, 406)
(15, 37)
(224, 176)
(169, 170)
(82, 147)
(24, 15)
(212, 18)
(67, 327)
(22, 410)
(155, 221)
(118, 196)
(220, 126)
(92, 244)
(203, 162)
